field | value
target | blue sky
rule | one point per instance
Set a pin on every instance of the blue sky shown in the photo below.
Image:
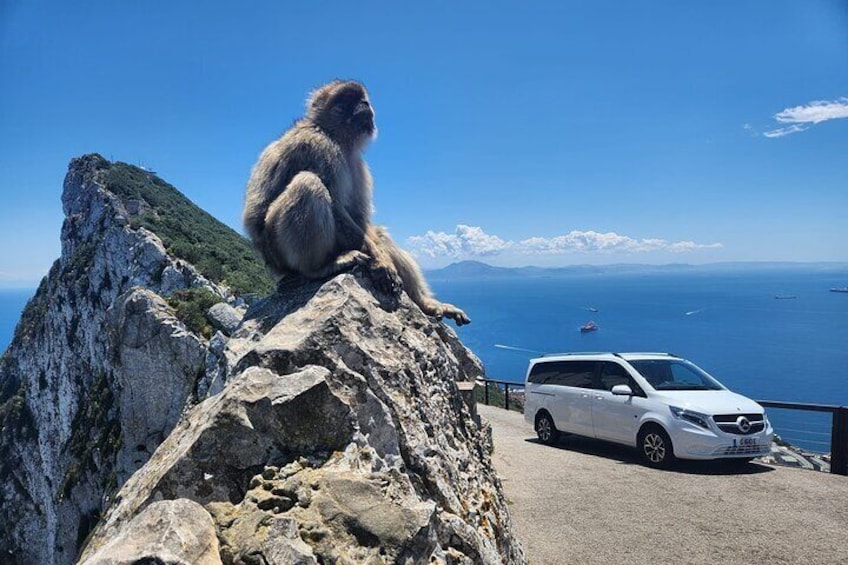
(545, 133)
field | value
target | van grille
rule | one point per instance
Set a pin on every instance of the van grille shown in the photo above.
(728, 423)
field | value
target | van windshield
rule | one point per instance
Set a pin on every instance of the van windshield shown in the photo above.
(672, 374)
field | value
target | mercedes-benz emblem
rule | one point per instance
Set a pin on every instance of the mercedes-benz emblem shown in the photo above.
(743, 424)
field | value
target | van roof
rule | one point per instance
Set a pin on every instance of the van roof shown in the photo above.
(601, 355)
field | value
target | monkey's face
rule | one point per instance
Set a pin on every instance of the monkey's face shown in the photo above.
(344, 111)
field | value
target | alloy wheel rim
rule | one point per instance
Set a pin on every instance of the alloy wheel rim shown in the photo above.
(544, 429)
(654, 447)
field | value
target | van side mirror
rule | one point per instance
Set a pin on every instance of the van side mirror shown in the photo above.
(622, 390)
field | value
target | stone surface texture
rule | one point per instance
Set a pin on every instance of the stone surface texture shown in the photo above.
(339, 437)
(178, 532)
(224, 317)
(326, 426)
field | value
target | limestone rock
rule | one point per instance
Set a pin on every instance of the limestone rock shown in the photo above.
(340, 436)
(97, 375)
(159, 362)
(224, 317)
(326, 428)
(174, 532)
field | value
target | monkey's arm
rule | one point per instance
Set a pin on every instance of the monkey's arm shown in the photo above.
(382, 263)
(383, 271)
(413, 281)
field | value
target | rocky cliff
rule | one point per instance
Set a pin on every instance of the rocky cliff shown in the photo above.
(322, 426)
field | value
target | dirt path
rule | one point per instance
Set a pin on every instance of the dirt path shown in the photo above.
(587, 502)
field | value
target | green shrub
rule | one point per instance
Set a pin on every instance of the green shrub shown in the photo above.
(191, 306)
(95, 429)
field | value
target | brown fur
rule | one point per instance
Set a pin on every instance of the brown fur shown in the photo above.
(308, 203)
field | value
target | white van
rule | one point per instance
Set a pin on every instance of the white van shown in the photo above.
(659, 403)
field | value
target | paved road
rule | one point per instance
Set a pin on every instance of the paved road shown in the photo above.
(587, 502)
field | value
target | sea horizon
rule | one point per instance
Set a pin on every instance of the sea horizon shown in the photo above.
(768, 334)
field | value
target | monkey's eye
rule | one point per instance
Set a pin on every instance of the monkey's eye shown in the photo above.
(343, 104)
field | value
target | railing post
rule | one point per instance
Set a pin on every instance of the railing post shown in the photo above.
(839, 442)
(486, 394)
(506, 396)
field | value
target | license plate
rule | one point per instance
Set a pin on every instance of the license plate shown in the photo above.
(745, 442)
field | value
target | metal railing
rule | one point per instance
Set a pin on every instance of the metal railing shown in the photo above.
(838, 431)
(506, 384)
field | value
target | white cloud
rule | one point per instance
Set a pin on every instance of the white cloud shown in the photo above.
(780, 132)
(466, 241)
(813, 113)
(471, 241)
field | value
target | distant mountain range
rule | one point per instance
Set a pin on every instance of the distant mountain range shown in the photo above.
(477, 269)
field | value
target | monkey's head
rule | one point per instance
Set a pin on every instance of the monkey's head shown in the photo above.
(343, 110)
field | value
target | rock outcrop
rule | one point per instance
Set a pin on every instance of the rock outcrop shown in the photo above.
(323, 426)
(341, 437)
(97, 375)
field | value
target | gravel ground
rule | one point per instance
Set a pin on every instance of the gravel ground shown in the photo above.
(586, 502)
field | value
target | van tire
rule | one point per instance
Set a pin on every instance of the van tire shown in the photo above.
(545, 429)
(655, 447)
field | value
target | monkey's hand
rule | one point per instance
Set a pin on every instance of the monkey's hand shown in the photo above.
(385, 276)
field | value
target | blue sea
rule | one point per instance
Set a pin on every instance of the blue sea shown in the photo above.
(12, 303)
(729, 323)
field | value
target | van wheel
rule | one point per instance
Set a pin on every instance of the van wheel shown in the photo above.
(655, 447)
(545, 429)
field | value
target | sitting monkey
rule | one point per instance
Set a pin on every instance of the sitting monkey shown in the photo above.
(308, 203)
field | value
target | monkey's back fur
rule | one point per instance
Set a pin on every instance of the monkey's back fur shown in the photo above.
(291, 165)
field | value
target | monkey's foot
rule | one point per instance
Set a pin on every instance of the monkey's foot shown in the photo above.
(444, 310)
(385, 278)
(455, 314)
(347, 261)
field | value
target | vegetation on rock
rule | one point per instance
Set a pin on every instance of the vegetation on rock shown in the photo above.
(95, 429)
(191, 306)
(188, 232)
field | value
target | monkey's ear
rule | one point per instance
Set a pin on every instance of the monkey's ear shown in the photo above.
(318, 97)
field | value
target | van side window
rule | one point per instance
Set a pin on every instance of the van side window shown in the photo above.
(564, 373)
(576, 373)
(544, 373)
(614, 374)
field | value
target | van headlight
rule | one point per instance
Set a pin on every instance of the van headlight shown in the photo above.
(700, 420)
